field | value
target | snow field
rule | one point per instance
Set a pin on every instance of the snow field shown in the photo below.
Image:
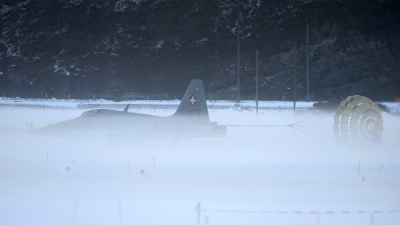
(275, 169)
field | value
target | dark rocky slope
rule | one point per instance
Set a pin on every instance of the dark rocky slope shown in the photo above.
(108, 47)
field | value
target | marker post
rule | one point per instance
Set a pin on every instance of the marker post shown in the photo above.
(198, 210)
(257, 83)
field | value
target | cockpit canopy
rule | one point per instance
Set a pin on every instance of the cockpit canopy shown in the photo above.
(97, 112)
(92, 112)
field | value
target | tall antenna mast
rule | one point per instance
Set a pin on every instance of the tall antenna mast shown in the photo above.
(308, 70)
(238, 59)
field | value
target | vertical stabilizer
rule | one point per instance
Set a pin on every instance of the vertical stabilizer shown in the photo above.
(193, 106)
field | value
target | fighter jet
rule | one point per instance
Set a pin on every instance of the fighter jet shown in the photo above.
(190, 120)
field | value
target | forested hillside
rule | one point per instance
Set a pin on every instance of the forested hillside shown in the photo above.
(107, 47)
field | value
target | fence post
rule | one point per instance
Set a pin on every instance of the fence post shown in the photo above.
(76, 208)
(198, 209)
(378, 173)
(47, 158)
(119, 210)
(317, 218)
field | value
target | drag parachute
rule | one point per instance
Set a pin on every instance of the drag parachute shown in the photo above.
(358, 122)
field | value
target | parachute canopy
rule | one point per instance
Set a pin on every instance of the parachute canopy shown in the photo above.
(358, 122)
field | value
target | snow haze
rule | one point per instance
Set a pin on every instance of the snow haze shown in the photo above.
(252, 175)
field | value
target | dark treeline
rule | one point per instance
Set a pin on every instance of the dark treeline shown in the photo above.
(108, 47)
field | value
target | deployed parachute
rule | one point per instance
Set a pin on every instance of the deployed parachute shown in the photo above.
(358, 122)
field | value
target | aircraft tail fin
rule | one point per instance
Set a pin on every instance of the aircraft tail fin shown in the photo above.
(126, 108)
(193, 106)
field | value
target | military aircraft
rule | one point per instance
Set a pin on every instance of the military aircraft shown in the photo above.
(357, 122)
(190, 120)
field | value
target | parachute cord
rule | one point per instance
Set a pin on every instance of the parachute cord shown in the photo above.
(330, 110)
(316, 117)
(234, 125)
(322, 117)
(316, 129)
(322, 124)
(319, 136)
(320, 128)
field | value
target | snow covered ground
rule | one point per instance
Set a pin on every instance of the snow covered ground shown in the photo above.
(253, 175)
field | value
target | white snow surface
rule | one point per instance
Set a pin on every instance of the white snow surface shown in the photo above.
(252, 175)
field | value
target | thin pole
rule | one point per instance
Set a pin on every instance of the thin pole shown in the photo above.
(47, 158)
(294, 82)
(154, 164)
(257, 83)
(75, 210)
(129, 167)
(119, 211)
(88, 163)
(379, 172)
(198, 210)
(308, 71)
(238, 63)
(101, 161)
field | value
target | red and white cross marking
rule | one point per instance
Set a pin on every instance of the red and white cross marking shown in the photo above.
(192, 100)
